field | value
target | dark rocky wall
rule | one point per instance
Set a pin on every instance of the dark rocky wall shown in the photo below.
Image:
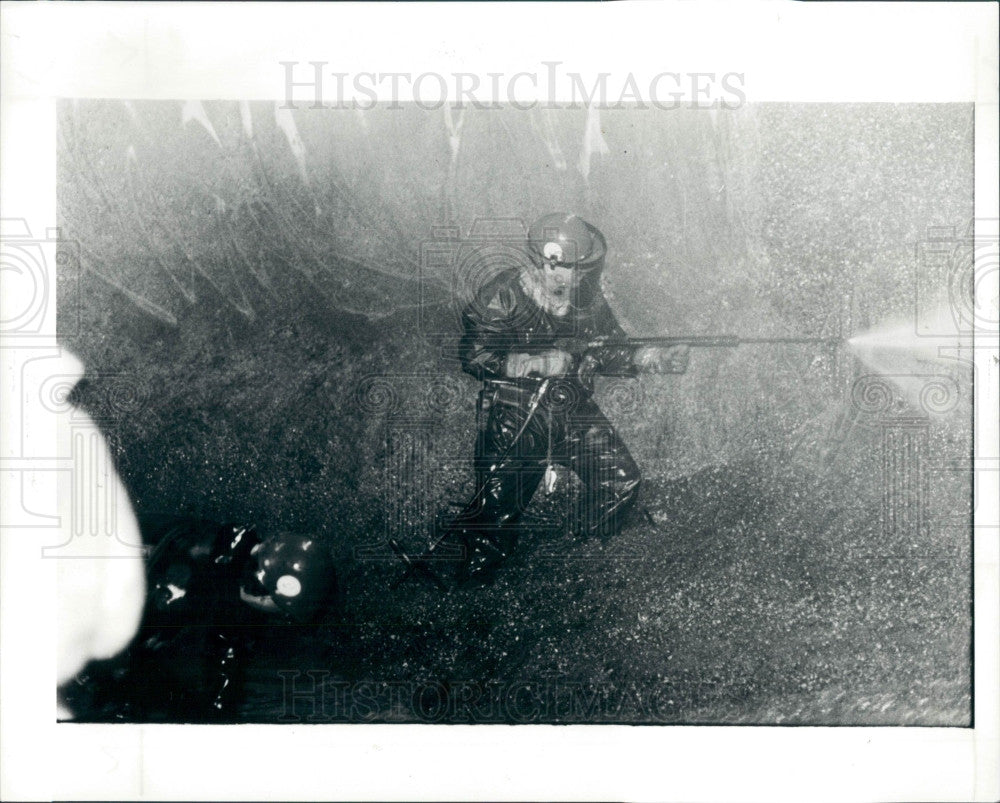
(247, 290)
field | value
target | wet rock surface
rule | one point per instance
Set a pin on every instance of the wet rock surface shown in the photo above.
(753, 591)
(279, 370)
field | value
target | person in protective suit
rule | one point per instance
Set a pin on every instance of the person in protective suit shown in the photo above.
(212, 589)
(522, 337)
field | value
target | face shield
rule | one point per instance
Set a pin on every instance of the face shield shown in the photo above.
(568, 256)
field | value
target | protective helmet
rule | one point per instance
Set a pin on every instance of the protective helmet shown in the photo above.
(563, 239)
(297, 571)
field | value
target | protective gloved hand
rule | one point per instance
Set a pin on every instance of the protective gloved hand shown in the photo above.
(585, 371)
(551, 363)
(663, 359)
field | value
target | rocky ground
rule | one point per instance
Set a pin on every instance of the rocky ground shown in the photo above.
(755, 589)
(254, 297)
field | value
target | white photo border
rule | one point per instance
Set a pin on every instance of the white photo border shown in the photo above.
(800, 52)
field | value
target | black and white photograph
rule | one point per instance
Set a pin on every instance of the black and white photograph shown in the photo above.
(441, 405)
(670, 453)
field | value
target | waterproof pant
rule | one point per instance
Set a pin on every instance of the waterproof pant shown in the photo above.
(567, 428)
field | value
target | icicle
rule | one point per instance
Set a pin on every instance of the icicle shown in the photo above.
(285, 121)
(454, 131)
(246, 118)
(455, 144)
(193, 110)
(132, 175)
(593, 141)
(141, 302)
(543, 127)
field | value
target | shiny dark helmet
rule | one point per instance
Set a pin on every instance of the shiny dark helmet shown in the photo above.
(215, 591)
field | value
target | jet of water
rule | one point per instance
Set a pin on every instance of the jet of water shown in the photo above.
(909, 353)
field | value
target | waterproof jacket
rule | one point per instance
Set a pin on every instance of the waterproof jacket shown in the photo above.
(503, 318)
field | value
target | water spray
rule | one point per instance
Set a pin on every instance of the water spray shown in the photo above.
(909, 353)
